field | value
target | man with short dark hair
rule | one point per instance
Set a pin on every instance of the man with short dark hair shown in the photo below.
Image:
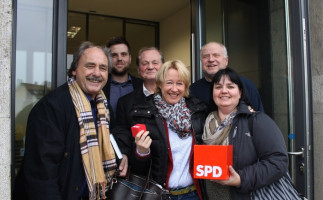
(120, 82)
(68, 151)
(214, 56)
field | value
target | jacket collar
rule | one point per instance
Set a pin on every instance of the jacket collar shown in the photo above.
(243, 109)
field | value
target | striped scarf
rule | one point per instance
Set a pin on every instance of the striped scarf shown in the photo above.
(97, 153)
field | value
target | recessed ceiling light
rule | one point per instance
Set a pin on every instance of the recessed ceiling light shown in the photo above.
(72, 31)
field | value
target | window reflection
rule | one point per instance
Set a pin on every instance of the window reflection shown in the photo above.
(33, 63)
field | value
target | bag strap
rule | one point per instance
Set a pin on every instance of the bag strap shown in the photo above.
(147, 180)
(250, 122)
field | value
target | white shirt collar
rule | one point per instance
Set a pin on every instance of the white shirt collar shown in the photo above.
(146, 92)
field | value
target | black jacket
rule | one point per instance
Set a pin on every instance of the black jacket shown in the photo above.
(266, 144)
(146, 113)
(53, 166)
(123, 119)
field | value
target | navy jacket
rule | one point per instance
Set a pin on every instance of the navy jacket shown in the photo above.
(136, 83)
(201, 89)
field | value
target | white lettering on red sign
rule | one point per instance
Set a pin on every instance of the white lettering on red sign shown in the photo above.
(205, 170)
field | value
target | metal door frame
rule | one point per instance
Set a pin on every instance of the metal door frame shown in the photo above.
(59, 72)
(302, 95)
(197, 37)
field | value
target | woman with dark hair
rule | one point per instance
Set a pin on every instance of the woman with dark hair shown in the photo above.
(259, 153)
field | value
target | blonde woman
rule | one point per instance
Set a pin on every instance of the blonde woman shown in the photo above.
(174, 122)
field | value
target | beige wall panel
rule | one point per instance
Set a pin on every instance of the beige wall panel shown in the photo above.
(175, 36)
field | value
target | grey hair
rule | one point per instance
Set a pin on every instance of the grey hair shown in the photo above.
(147, 49)
(225, 52)
(79, 52)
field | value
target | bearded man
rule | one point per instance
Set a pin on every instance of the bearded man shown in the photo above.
(120, 81)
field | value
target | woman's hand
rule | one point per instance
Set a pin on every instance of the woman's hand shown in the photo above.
(143, 142)
(234, 179)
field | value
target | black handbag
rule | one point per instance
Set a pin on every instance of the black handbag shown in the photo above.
(137, 187)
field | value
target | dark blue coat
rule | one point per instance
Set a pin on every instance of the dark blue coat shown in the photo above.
(136, 83)
(266, 144)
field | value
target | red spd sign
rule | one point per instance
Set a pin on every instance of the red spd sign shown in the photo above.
(212, 161)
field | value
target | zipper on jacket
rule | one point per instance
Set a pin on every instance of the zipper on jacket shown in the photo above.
(235, 132)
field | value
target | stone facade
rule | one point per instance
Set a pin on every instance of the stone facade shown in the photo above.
(316, 37)
(5, 98)
(279, 65)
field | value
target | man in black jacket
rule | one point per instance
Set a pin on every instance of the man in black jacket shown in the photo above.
(63, 137)
(149, 60)
(120, 82)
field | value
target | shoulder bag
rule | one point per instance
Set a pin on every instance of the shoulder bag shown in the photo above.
(282, 189)
(137, 187)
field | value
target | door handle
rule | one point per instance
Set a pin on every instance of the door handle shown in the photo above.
(297, 153)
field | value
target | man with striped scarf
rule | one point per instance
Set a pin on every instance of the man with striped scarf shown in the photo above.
(68, 150)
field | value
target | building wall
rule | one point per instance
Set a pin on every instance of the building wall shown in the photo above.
(213, 21)
(5, 91)
(316, 37)
(175, 36)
